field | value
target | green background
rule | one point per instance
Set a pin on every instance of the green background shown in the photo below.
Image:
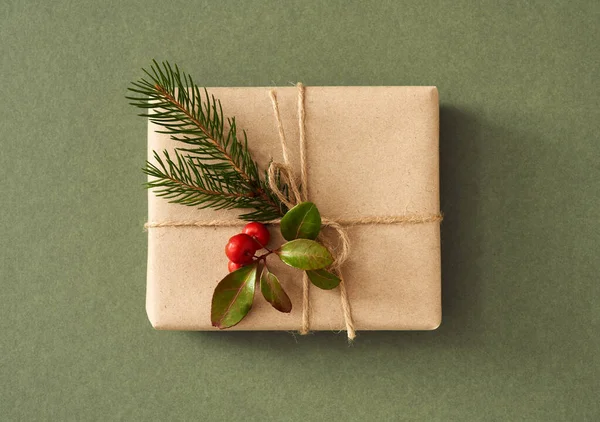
(520, 191)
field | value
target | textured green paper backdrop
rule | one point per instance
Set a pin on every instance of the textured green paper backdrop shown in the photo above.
(520, 166)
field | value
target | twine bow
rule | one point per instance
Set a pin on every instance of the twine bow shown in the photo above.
(298, 195)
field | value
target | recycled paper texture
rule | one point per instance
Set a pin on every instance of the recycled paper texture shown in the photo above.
(371, 151)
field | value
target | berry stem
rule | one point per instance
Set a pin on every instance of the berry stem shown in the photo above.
(261, 245)
(264, 256)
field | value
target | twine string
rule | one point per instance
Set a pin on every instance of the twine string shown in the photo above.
(352, 221)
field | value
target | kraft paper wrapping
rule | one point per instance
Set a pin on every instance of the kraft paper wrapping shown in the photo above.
(371, 151)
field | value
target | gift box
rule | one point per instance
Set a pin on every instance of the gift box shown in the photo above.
(370, 151)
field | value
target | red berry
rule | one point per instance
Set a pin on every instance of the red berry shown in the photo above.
(240, 249)
(258, 232)
(232, 266)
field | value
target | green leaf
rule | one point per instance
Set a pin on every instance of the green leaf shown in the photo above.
(305, 254)
(233, 296)
(323, 279)
(301, 222)
(273, 292)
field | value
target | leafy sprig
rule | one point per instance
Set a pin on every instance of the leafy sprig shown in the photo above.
(234, 295)
(212, 166)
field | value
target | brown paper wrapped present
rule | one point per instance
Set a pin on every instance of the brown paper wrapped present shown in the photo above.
(370, 151)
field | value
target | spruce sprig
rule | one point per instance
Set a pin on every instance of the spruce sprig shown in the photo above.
(213, 167)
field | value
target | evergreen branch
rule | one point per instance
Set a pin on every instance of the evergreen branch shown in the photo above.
(215, 169)
(181, 181)
(209, 136)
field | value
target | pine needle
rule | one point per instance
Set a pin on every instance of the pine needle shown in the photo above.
(213, 167)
